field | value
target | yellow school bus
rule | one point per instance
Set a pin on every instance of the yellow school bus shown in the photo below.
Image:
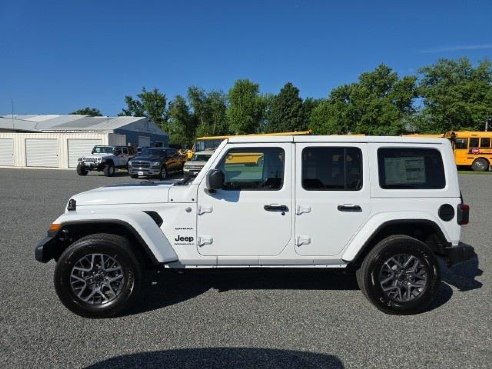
(472, 148)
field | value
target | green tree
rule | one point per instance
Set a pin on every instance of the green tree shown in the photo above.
(181, 124)
(92, 112)
(287, 111)
(151, 104)
(209, 109)
(245, 109)
(455, 95)
(378, 104)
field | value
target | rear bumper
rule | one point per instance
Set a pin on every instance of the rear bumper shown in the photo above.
(459, 254)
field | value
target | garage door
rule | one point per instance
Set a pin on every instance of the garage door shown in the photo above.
(42, 152)
(6, 151)
(143, 141)
(78, 148)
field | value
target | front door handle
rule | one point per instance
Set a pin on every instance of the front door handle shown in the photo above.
(273, 207)
(349, 208)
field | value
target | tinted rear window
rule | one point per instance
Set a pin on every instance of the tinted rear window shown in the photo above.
(410, 168)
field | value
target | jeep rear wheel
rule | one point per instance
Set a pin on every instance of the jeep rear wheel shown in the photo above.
(81, 170)
(109, 170)
(400, 275)
(98, 276)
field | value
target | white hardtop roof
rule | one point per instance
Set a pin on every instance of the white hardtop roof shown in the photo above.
(336, 139)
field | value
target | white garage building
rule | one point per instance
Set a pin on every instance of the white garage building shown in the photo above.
(57, 141)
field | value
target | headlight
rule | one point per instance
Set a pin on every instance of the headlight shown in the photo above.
(156, 163)
(130, 162)
(99, 159)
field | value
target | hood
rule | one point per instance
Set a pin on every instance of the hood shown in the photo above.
(148, 158)
(132, 193)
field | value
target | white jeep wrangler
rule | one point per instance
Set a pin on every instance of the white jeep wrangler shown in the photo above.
(384, 207)
(106, 159)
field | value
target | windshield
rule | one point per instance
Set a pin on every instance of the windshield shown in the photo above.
(202, 145)
(200, 157)
(103, 150)
(152, 152)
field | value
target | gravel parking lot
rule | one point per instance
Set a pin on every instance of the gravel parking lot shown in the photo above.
(232, 319)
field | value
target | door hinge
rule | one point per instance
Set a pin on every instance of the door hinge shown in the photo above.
(205, 240)
(303, 240)
(204, 209)
(302, 209)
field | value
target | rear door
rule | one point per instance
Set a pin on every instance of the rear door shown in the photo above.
(332, 196)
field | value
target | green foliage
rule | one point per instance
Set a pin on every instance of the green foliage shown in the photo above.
(151, 104)
(456, 95)
(451, 95)
(209, 109)
(287, 111)
(91, 112)
(245, 110)
(181, 124)
(378, 104)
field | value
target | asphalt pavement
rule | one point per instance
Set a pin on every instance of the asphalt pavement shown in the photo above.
(232, 319)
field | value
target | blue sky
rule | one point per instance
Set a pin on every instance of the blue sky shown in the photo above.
(58, 56)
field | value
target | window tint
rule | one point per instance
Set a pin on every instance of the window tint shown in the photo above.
(474, 142)
(485, 143)
(253, 169)
(401, 168)
(332, 169)
(461, 143)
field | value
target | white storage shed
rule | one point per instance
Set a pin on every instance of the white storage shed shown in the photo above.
(49, 141)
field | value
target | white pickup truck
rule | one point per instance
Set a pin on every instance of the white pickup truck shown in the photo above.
(383, 207)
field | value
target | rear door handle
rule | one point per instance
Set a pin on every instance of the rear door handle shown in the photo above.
(349, 208)
(274, 207)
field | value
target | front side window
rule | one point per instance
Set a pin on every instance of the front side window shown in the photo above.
(332, 169)
(253, 169)
(410, 168)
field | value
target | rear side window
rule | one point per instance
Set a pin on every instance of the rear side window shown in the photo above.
(410, 168)
(332, 169)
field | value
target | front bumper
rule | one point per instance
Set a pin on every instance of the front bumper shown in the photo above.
(45, 249)
(93, 166)
(144, 171)
(459, 254)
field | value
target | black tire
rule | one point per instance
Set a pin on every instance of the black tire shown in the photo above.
(81, 170)
(71, 281)
(480, 165)
(163, 173)
(109, 170)
(375, 270)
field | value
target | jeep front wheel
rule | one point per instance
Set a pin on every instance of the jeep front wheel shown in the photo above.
(400, 275)
(109, 170)
(98, 276)
(81, 170)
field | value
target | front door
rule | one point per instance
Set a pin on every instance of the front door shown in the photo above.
(252, 214)
(332, 196)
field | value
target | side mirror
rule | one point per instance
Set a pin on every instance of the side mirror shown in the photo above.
(215, 179)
